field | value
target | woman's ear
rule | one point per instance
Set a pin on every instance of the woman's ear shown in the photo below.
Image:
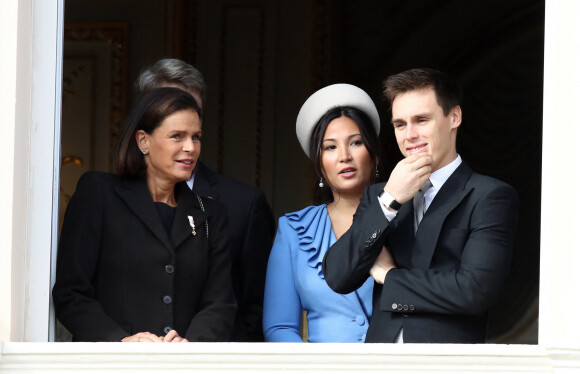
(142, 141)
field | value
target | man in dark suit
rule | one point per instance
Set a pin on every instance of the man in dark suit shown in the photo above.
(437, 237)
(251, 222)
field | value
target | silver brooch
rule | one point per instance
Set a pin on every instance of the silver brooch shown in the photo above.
(192, 224)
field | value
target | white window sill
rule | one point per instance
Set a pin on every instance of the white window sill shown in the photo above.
(49, 358)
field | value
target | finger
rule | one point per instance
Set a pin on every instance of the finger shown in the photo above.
(422, 159)
(149, 337)
(412, 158)
(170, 336)
(179, 339)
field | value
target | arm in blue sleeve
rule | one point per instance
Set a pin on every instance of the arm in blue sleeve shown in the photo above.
(282, 307)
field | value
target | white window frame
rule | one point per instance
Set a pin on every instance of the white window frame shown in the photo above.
(44, 167)
(559, 328)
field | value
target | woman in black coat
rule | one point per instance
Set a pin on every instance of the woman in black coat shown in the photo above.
(141, 257)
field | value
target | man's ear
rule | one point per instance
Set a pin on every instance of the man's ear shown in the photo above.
(142, 141)
(456, 117)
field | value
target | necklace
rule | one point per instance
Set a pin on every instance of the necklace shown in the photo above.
(337, 214)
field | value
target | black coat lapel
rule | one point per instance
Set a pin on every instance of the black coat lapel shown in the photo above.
(449, 196)
(187, 205)
(203, 184)
(138, 198)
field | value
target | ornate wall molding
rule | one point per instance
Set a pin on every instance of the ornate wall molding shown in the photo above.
(116, 35)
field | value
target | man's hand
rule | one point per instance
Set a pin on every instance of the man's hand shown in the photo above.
(408, 176)
(382, 265)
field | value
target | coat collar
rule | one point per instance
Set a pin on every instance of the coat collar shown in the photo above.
(449, 196)
(136, 195)
(205, 180)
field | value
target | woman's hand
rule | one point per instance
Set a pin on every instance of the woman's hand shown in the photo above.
(382, 265)
(173, 337)
(142, 337)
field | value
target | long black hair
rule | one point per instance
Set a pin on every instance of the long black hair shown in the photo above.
(369, 137)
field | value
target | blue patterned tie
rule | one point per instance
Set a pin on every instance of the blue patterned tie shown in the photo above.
(419, 203)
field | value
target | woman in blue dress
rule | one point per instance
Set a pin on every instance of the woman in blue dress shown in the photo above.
(338, 129)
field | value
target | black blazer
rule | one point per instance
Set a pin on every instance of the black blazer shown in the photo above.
(251, 229)
(119, 273)
(448, 274)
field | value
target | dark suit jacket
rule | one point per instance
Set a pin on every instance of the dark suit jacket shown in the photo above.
(251, 228)
(448, 274)
(119, 273)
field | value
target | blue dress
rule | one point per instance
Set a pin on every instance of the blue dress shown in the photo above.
(294, 281)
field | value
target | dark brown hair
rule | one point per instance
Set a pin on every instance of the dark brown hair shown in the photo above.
(368, 135)
(447, 90)
(147, 115)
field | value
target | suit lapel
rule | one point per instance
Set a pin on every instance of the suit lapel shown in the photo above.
(187, 205)
(204, 182)
(449, 196)
(138, 198)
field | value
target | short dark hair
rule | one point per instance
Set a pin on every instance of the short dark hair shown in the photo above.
(368, 134)
(147, 115)
(172, 71)
(447, 90)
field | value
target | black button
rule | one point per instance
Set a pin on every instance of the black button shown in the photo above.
(405, 307)
(399, 307)
(411, 307)
(167, 329)
(169, 269)
(167, 299)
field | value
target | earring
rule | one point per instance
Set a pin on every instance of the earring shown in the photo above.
(320, 184)
(143, 151)
(377, 172)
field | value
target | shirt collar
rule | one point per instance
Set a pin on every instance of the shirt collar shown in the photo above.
(439, 177)
(191, 180)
